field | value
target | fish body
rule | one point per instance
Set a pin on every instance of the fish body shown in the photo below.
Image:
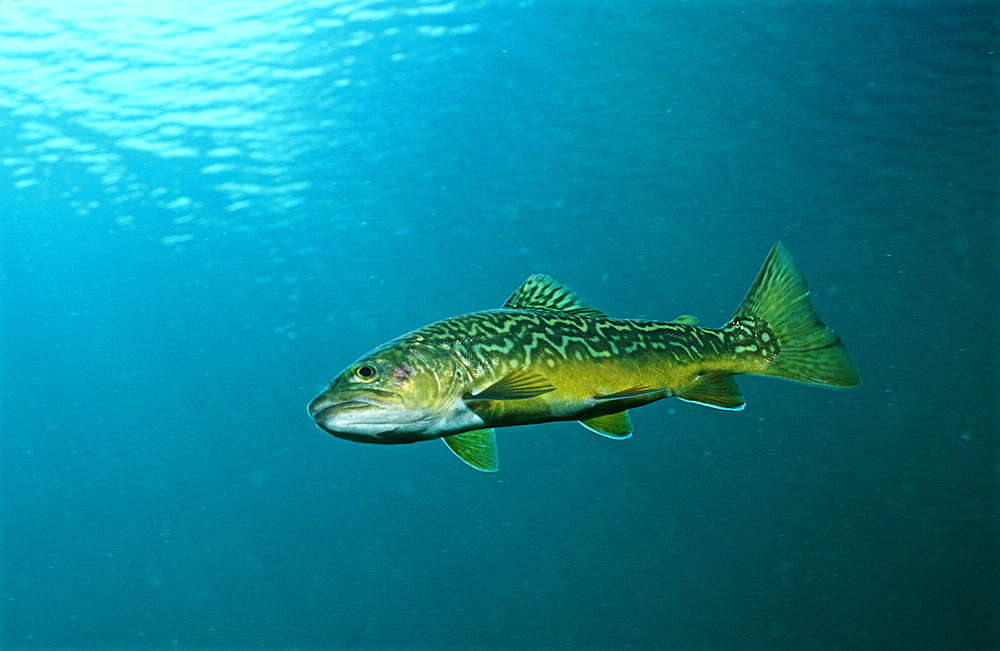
(547, 356)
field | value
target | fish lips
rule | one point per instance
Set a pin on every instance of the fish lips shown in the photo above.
(365, 421)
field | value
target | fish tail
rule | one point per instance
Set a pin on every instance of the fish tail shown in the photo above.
(777, 316)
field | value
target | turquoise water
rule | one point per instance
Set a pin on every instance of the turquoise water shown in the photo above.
(209, 209)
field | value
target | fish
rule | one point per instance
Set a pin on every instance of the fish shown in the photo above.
(547, 356)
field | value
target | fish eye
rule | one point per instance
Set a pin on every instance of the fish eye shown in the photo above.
(365, 373)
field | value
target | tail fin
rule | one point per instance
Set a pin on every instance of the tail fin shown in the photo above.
(807, 350)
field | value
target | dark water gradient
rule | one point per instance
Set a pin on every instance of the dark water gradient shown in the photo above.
(209, 212)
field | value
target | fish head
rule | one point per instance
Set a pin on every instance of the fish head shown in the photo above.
(395, 394)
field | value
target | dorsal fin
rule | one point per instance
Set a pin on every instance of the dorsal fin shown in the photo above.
(540, 292)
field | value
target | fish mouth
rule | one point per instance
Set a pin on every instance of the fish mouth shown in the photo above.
(341, 407)
(324, 403)
(326, 412)
(363, 419)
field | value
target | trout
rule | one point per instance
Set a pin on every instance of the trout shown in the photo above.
(548, 356)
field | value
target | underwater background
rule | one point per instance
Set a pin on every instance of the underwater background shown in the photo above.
(210, 209)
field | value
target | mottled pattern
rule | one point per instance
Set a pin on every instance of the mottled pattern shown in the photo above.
(494, 342)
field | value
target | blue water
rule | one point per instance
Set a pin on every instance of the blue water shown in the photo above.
(210, 208)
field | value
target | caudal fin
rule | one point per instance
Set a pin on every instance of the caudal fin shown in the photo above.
(807, 350)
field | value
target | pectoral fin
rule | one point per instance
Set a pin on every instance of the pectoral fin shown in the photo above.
(477, 448)
(517, 385)
(715, 389)
(615, 426)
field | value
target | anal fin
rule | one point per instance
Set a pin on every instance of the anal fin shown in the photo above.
(478, 448)
(714, 389)
(615, 426)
